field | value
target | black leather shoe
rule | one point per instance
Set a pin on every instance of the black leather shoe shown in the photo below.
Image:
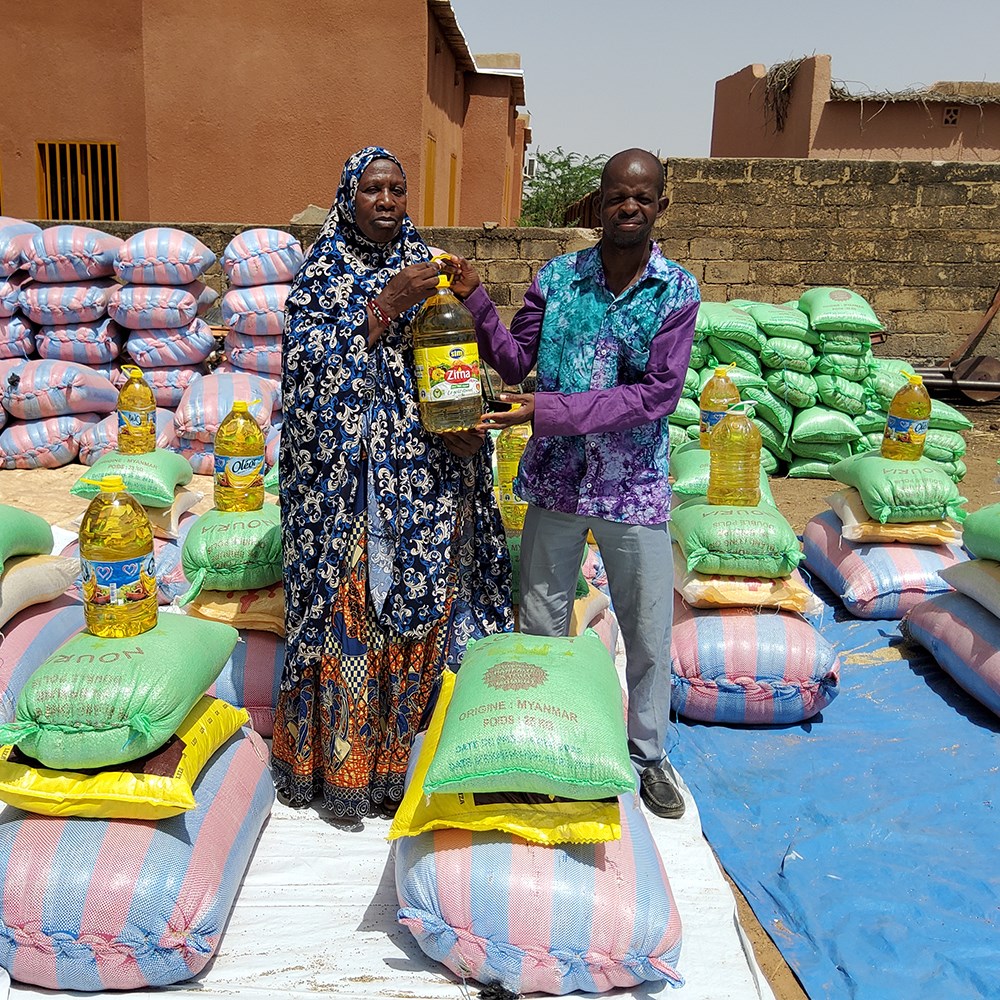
(661, 796)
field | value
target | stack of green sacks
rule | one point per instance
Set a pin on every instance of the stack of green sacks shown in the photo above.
(820, 393)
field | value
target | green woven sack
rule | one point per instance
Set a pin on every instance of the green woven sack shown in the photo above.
(808, 468)
(838, 309)
(981, 532)
(227, 550)
(946, 418)
(955, 471)
(768, 465)
(534, 714)
(846, 366)
(735, 541)
(795, 388)
(944, 446)
(871, 421)
(699, 355)
(822, 451)
(23, 533)
(768, 407)
(152, 478)
(740, 377)
(841, 394)
(772, 439)
(272, 481)
(845, 342)
(898, 492)
(783, 321)
(687, 413)
(689, 467)
(731, 352)
(97, 702)
(691, 384)
(818, 423)
(721, 319)
(782, 352)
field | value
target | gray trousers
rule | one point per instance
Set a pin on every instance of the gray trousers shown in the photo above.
(640, 570)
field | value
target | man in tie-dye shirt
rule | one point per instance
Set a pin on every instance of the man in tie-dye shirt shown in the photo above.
(609, 331)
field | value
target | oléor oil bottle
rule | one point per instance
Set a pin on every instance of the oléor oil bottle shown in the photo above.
(239, 461)
(117, 564)
(136, 414)
(446, 361)
(906, 425)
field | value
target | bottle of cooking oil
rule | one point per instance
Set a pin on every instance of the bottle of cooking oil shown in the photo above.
(717, 396)
(510, 447)
(116, 563)
(734, 459)
(906, 425)
(446, 358)
(239, 461)
(136, 414)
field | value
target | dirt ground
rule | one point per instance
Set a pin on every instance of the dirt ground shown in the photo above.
(46, 491)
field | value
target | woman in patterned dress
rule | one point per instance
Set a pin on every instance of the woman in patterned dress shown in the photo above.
(394, 553)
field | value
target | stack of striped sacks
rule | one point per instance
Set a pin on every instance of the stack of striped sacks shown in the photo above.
(260, 264)
(884, 544)
(161, 305)
(961, 629)
(741, 650)
(137, 826)
(17, 333)
(820, 394)
(523, 859)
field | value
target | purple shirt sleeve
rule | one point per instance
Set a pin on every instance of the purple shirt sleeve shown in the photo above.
(512, 353)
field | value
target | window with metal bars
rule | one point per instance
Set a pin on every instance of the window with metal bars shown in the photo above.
(78, 180)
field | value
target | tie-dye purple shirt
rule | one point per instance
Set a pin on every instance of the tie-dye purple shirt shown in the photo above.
(610, 369)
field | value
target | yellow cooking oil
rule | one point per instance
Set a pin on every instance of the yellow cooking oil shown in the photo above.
(136, 414)
(734, 459)
(116, 563)
(906, 425)
(511, 443)
(717, 395)
(446, 359)
(239, 461)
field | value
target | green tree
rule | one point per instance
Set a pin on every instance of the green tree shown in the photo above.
(560, 179)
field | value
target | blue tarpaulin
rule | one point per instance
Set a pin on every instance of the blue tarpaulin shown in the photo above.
(866, 840)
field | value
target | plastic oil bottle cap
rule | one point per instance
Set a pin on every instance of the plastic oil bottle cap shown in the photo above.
(132, 371)
(240, 406)
(915, 379)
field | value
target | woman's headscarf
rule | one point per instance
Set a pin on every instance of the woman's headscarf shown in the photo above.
(339, 395)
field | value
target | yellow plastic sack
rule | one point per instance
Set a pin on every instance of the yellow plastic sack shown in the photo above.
(528, 816)
(262, 609)
(859, 526)
(151, 787)
(702, 590)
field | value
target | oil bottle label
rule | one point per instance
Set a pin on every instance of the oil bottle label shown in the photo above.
(506, 472)
(905, 431)
(709, 418)
(445, 374)
(135, 421)
(118, 582)
(239, 472)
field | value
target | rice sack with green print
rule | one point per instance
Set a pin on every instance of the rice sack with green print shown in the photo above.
(232, 550)
(22, 533)
(538, 715)
(152, 478)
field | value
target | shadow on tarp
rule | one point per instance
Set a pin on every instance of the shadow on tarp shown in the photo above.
(865, 839)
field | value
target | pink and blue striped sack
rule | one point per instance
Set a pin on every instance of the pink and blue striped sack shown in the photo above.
(45, 443)
(540, 918)
(200, 454)
(71, 253)
(166, 348)
(15, 235)
(749, 666)
(163, 256)
(17, 338)
(207, 402)
(10, 289)
(102, 437)
(226, 367)
(880, 580)
(94, 343)
(272, 446)
(262, 257)
(255, 354)
(155, 307)
(258, 311)
(98, 905)
(52, 303)
(251, 677)
(964, 638)
(168, 384)
(49, 388)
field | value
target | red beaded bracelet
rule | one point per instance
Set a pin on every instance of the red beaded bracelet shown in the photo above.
(380, 314)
